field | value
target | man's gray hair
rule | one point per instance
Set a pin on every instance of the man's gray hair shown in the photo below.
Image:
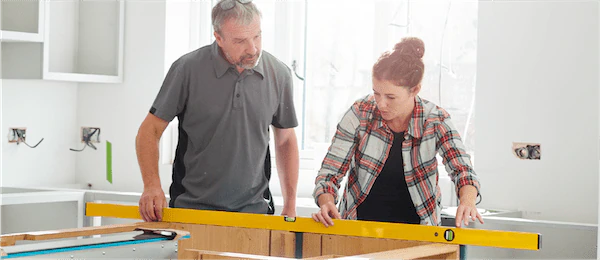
(242, 13)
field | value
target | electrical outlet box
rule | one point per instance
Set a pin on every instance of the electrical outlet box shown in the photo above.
(90, 134)
(16, 133)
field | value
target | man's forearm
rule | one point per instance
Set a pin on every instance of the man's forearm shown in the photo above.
(147, 155)
(287, 169)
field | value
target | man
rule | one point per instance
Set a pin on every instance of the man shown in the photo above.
(225, 95)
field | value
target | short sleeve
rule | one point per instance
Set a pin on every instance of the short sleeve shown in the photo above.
(285, 115)
(172, 97)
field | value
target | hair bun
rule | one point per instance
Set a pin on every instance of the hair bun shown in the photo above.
(412, 46)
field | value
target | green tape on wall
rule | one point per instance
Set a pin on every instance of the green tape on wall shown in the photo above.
(109, 162)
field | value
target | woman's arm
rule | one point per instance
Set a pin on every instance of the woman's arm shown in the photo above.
(334, 167)
(458, 165)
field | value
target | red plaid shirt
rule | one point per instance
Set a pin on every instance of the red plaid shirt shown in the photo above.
(364, 139)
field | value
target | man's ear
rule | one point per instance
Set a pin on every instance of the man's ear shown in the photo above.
(219, 39)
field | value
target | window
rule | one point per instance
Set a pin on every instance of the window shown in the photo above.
(188, 27)
(343, 45)
(345, 38)
(333, 45)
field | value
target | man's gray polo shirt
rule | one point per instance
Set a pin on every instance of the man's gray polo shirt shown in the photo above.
(224, 120)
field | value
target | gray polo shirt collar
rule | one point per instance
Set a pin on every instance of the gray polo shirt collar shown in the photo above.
(221, 65)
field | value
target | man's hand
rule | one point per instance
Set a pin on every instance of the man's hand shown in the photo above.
(152, 203)
(327, 212)
(288, 211)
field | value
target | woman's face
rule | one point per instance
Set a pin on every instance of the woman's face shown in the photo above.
(393, 101)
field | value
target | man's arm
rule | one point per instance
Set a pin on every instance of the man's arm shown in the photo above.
(288, 162)
(146, 143)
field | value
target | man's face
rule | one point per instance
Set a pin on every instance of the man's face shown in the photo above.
(241, 43)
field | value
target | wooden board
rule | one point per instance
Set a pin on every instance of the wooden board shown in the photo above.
(311, 245)
(207, 254)
(323, 257)
(10, 239)
(283, 243)
(431, 251)
(347, 245)
(225, 239)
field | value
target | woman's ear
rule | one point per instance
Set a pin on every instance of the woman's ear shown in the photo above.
(415, 90)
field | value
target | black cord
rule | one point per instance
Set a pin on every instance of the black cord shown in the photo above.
(84, 146)
(21, 139)
(34, 145)
(74, 150)
(89, 137)
(86, 140)
(294, 65)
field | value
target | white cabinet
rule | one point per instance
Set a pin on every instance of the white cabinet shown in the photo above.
(22, 21)
(82, 41)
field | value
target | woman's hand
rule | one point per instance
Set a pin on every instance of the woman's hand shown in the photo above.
(328, 210)
(326, 214)
(465, 212)
(466, 208)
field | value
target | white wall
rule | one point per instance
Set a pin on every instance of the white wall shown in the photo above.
(118, 109)
(48, 110)
(537, 81)
(598, 235)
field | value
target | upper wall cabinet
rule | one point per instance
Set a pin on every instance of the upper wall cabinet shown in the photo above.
(82, 41)
(22, 21)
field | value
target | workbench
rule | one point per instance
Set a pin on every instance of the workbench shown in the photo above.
(230, 235)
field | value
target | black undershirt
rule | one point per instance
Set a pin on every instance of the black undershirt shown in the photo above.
(389, 200)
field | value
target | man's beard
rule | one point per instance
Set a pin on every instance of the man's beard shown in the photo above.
(249, 64)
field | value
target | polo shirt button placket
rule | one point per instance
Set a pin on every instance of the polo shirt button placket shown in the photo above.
(237, 100)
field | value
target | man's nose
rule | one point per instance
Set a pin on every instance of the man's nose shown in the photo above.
(251, 48)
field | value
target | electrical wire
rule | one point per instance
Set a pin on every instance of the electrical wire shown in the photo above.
(87, 141)
(21, 138)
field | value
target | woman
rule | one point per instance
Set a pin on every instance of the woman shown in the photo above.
(387, 142)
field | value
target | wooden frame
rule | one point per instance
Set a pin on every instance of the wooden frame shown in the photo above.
(219, 242)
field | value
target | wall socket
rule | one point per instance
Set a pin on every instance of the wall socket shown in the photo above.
(15, 132)
(92, 134)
